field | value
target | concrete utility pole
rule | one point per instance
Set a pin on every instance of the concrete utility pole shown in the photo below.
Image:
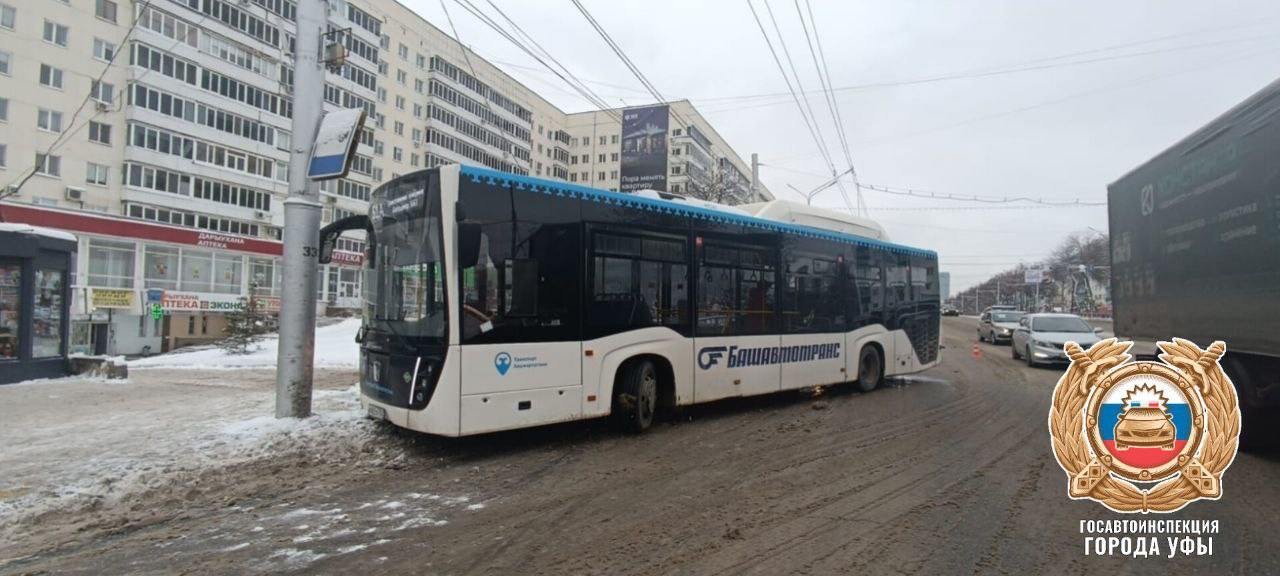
(755, 176)
(301, 222)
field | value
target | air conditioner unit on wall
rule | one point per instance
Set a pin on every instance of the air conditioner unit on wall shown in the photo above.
(75, 194)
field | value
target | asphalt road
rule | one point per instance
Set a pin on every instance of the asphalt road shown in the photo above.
(948, 472)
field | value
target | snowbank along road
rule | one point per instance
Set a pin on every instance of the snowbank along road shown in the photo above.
(949, 472)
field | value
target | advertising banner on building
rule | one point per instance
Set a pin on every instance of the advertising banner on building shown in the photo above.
(113, 298)
(644, 148)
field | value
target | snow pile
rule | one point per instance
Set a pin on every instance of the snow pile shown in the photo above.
(335, 348)
(154, 461)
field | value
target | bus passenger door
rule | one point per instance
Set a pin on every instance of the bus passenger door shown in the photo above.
(813, 318)
(737, 346)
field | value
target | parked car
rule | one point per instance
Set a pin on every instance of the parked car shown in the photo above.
(996, 326)
(950, 311)
(1039, 338)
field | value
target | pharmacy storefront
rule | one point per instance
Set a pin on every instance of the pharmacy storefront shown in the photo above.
(144, 288)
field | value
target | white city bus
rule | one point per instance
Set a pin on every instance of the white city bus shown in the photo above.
(495, 301)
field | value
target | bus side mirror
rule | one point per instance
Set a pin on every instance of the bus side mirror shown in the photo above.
(329, 234)
(468, 244)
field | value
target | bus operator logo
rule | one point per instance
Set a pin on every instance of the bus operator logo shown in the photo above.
(502, 362)
(743, 357)
(1144, 436)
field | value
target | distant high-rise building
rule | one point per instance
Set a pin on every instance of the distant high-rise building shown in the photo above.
(944, 285)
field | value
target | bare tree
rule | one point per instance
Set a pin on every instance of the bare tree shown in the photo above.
(720, 188)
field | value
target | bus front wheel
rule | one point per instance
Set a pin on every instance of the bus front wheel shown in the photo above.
(870, 368)
(635, 400)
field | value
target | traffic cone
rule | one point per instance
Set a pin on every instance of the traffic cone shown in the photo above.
(977, 352)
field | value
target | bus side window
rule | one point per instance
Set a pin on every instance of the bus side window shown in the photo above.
(637, 280)
(523, 284)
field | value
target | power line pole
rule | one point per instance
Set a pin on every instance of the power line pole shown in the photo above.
(301, 221)
(755, 176)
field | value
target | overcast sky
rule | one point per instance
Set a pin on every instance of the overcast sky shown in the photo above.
(1053, 100)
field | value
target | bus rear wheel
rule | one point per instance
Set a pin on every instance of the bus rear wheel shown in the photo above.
(870, 368)
(635, 400)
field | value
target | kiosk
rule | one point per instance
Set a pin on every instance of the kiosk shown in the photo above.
(35, 301)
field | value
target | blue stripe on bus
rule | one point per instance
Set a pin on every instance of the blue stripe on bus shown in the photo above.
(550, 187)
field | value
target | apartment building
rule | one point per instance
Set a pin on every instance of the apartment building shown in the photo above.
(173, 172)
(691, 156)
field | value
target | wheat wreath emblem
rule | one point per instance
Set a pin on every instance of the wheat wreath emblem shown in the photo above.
(1196, 474)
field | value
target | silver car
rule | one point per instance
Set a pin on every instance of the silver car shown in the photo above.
(1039, 338)
(996, 326)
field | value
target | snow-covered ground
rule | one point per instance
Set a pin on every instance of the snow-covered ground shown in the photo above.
(335, 348)
(89, 443)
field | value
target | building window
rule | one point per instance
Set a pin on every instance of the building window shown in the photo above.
(103, 50)
(601, 176)
(48, 165)
(262, 278)
(6, 63)
(4, 155)
(397, 154)
(56, 33)
(400, 102)
(603, 140)
(104, 92)
(613, 157)
(7, 16)
(160, 268)
(110, 263)
(602, 157)
(226, 273)
(106, 10)
(96, 174)
(49, 120)
(613, 140)
(50, 76)
(4, 109)
(197, 270)
(99, 132)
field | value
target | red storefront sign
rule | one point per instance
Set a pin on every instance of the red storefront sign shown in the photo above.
(104, 225)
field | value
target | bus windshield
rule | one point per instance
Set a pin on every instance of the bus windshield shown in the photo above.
(404, 290)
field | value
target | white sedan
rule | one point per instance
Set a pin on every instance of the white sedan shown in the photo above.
(1039, 338)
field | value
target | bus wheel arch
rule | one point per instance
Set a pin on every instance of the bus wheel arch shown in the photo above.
(628, 409)
(871, 351)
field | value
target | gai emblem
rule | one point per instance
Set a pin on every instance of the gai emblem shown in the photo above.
(1144, 436)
